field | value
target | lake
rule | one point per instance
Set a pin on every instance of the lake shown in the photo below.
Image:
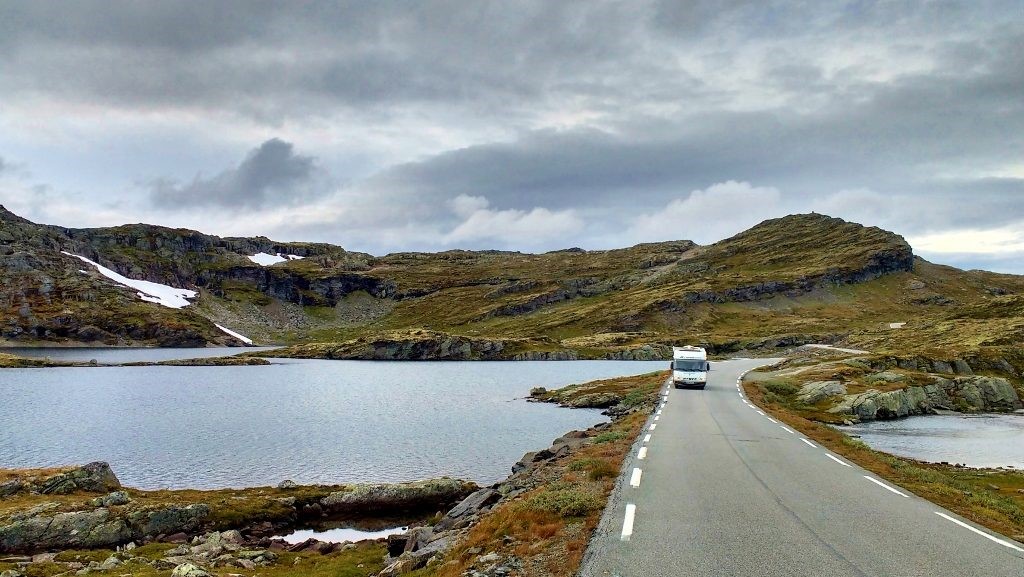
(310, 421)
(973, 440)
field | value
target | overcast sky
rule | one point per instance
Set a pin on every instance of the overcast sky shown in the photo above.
(387, 126)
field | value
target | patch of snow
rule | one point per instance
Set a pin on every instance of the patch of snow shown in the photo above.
(896, 325)
(295, 257)
(153, 292)
(83, 271)
(240, 337)
(264, 259)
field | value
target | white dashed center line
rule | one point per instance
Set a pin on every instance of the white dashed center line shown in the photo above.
(808, 442)
(788, 430)
(642, 453)
(771, 419)
(886, 487)
(652, 427)
(634, 480)
(979, 532)
(656, 417)
(838, 461)
(760, 412)
(627, 523)
(647, 439)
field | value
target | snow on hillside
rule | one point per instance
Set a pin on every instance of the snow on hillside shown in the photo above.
(238, 336)
(264, 259)
(161, 294)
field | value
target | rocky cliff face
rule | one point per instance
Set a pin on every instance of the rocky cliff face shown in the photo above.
(965, 394)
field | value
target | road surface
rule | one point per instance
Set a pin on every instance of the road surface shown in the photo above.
(720, 488)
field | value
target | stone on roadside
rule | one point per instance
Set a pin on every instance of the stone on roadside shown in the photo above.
(816, 391)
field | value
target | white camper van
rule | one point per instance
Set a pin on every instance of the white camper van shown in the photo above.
(690, 367)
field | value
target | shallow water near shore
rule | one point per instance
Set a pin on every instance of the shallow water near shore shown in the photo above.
(310, 421)
(972, 440)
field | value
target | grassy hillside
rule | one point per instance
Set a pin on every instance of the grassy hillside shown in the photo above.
(790, 280)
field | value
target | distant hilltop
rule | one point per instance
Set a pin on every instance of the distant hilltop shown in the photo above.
(800, 278)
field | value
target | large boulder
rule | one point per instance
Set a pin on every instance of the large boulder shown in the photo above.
(189, 570)
(469, 509)
(95, 478)
(816, 391)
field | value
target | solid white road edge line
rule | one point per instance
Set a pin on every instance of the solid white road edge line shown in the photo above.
(642, 453)
(647, 439)
(627, 523)
(634, 480)
(808, 442)
(1002, 542)
(886, 487)
(838, 461)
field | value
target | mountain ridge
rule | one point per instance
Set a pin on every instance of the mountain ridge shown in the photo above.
(807, 275)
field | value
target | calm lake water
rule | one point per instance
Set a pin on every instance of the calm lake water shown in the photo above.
(973, 440)
(306, 420)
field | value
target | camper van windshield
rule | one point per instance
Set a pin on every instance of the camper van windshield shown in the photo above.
(688, 365)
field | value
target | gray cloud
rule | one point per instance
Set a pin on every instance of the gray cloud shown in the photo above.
(271, 175)
(905, 115)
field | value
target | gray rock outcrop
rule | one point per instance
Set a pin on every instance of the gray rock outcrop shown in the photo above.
(968, 394)
(75, 530)
(39, 528)
(418, 496)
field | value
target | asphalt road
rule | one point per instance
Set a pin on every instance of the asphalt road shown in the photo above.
(723, 489)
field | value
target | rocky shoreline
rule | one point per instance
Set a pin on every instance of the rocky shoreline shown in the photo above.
(866, 388)
(86, 507)
(8, 361)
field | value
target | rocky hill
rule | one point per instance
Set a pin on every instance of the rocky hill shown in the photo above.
(785, 281)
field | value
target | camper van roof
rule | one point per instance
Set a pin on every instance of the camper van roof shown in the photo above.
(688, 352)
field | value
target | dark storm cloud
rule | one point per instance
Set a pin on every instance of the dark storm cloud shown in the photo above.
(279, 60)
(271, 175)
